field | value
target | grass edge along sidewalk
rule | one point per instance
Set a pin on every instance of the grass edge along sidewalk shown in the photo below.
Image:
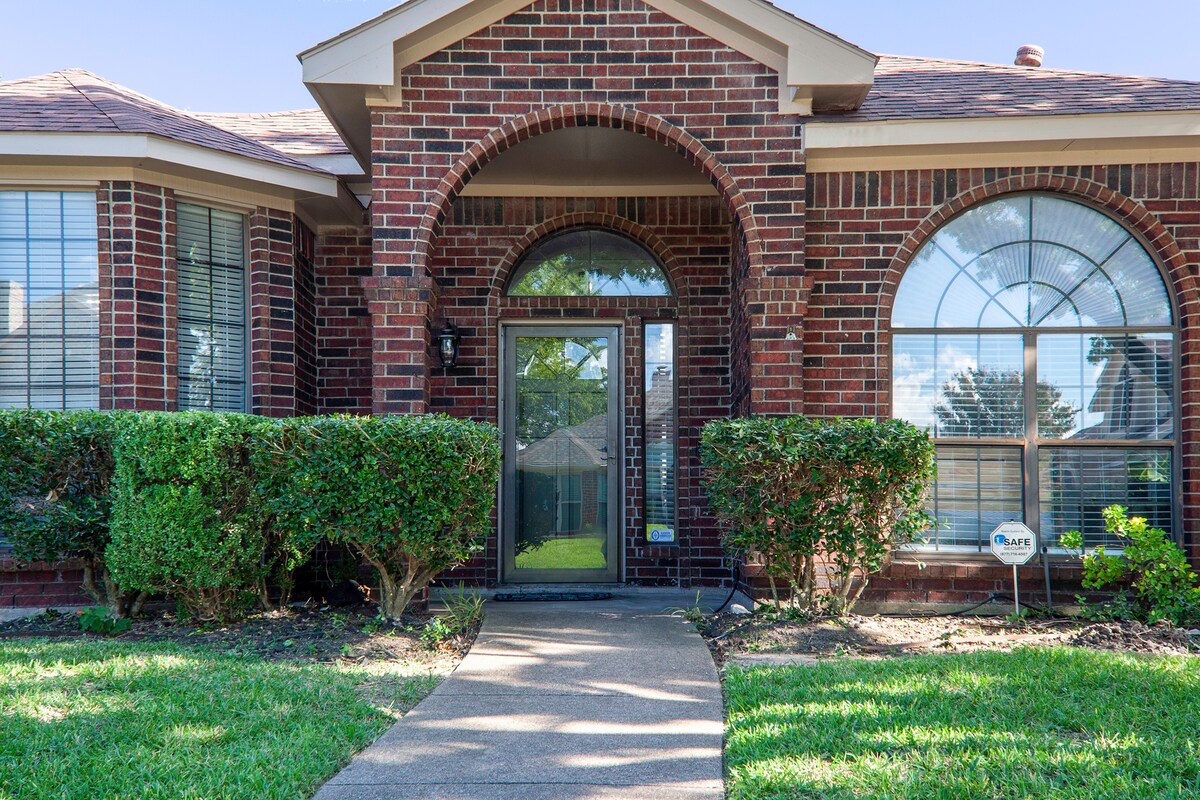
(107, 719)
(1063, 723)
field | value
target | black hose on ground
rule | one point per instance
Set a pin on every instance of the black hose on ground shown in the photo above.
(936, 614)
(732, 589)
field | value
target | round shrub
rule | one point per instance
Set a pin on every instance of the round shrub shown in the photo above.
(412, 495)
(823, 502)
(188, 518)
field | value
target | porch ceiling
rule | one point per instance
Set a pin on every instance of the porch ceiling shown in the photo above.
(593, 162)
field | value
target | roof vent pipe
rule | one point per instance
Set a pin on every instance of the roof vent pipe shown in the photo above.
(1029, 55)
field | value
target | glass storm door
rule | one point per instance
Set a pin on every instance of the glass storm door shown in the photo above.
(561, 462)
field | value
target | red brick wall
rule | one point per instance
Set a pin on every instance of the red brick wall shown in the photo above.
(343, 259)
(304, 255)
(136, 248)
(482, 239)
(863, 226)
(38, 584)
(281, 319)
(616, 63)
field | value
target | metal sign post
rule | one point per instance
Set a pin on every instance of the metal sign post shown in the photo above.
(1014, 543)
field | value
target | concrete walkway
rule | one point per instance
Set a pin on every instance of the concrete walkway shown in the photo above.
(570, 701)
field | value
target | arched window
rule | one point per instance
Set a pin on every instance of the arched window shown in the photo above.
(1033, 336)
(588, 262)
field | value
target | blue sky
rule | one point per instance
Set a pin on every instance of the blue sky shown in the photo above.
(239, 55)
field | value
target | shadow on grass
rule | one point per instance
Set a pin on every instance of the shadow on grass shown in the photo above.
(1036, 723)
(158, 720)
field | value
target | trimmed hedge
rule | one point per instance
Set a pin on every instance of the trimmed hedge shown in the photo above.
(411, 495)
(56, 471)
(823, 502)
(188, 516)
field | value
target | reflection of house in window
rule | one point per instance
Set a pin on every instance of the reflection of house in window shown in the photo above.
(1133, 390)
(12, 306)
(660, 447)
(564, 482)
(49, 355)
(1127, 395)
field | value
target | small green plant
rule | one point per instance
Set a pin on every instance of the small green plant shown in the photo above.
(1156, 581)
(693, 613)
(464, 609)
(436, 631)
(100, 620)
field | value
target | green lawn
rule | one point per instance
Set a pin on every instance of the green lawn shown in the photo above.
(581, 552)
(1035, 723)
(106, 719)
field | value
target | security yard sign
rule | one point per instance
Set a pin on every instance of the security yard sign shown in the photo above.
(1013, 543)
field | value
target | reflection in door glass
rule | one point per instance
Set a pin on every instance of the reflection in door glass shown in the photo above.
(660, 432)
(561, 429)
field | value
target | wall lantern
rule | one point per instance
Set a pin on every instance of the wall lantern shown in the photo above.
(448, 345)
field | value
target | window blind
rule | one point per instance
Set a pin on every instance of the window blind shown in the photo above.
(211, 259)
(49, 301)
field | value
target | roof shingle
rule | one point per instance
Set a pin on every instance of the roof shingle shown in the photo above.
(305, 132)
(932, 88)
(77, 101)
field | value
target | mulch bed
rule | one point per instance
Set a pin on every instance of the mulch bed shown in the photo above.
(730, 635)
(297, 634)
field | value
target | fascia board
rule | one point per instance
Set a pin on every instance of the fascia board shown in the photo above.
(981, 130)
(144, 147)
(364, 55)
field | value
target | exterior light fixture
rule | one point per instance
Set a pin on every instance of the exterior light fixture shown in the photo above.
(448, 345)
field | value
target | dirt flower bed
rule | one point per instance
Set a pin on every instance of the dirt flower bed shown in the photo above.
(355, 636)
(742, 637)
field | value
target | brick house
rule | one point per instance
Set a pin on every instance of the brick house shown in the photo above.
(601, 224)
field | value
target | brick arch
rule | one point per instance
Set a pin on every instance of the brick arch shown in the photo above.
(641, 234)
(527, 126)
(1134, 215)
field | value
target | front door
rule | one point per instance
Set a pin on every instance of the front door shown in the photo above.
(562, 487)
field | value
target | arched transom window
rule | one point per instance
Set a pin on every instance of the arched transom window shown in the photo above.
(588, 262)
(1033, 336)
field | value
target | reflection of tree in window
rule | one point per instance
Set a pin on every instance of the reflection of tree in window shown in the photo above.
(551, 372)
(586, 262)
(982, 402)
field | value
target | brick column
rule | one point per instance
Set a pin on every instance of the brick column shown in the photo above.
(401, 319)
(281, 319)
(138, 296)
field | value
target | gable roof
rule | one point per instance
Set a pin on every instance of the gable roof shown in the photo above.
(77, 101)
(817, 70)
(907, 87)
(304, 132)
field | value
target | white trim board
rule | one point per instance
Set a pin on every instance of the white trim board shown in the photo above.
(964, 130)
(146, 149)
